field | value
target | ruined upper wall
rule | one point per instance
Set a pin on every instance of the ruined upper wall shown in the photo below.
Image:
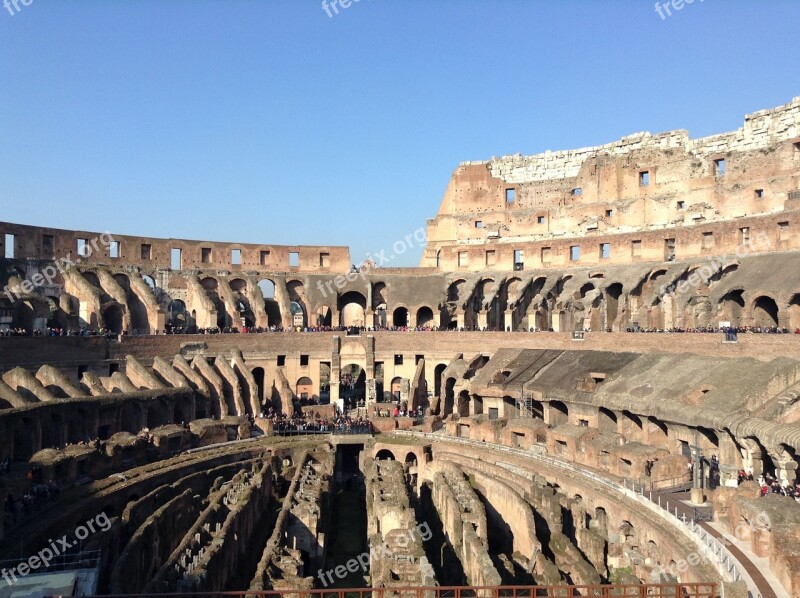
(760, 130)
(154, 253)
(642, 182)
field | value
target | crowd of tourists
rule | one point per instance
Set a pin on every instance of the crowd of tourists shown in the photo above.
(730, 332)
(770, 485)
(313, 423)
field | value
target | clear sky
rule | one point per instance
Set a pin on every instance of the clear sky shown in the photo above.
(272, 122)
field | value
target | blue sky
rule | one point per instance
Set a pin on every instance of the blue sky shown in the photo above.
(271, 122)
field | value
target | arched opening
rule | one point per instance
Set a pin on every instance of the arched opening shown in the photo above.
(24, 440)
(411, 459)
(765, 312)
(112, 317)
(449, 397)
(384, 455)
(155, 417)
(182, 411)
(130, 418)
(258, 376)
(351, 306)
(297, 303)
(304, 389)
(149, 281)
(425, 317)
(177, 315)
(731, 306)
(400, 317)
(324, 316)
(271, 306)
(794, 312)
(606, 420)
(613, 293)
(559, 413)
(352, 384)
(437, 379)
(397, 385)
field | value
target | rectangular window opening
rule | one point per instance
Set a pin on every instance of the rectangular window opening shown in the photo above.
(176, 258)
(205, 255)
(708, 240)
(574, 253)
(236, 257)
(304, 360)
(48, 245)
(636, 248)
(398, 360)
(479, 224)
(281, 360)
(463, 259)
(669, 249)
(294, 259)
(759, 193)
(681, 205)
(546, 255)
(113, 249)
(783, 231)
(719, 166)
(264, 258)
(146, 251)
(9, 246)
(491, 257)
(540, 220)
(511, 195)
(644, 178)
(577, 191)
(605, 251)
(83, 247)
(609, 213)
(324, 260)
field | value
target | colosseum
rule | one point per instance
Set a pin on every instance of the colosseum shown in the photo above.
(590, 386)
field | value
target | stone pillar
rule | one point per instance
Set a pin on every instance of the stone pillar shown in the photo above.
(508, 319)
(460, 319)
(482, 319)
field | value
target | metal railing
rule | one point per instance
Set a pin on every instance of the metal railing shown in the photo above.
(683, 590)
(727, 564)
(365, 429)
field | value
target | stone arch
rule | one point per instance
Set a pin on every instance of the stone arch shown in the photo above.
(258, 376)
(384, 455)
(24, 439)
(113, 318)
(396, 388)
(449, 397)
(425, 317)
(182, 411)
(155, 415)
(324, 316)
(558, 413)
(297, 298)
(304, 388)
(606, 420)
(271, 306)
(794, 312)
(177, 315)
(613, 294)
(130, 417)
(400, 317)
(352, 306)
(765, 311)
(437, 379)
(731, 305)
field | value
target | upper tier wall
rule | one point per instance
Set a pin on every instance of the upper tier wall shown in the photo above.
(149, 252)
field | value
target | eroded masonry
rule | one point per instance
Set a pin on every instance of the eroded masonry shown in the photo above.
(593, 378)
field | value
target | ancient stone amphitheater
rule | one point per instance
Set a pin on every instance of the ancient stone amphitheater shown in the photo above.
(583, 387)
